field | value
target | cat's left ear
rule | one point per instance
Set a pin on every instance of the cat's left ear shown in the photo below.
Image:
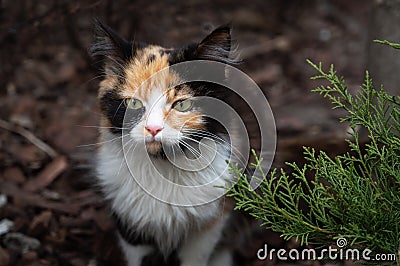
(111, 49)
(217, 46)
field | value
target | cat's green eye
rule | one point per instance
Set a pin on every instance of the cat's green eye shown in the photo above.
(133, 103)
(182, 105)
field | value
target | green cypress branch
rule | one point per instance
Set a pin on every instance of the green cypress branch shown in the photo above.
(355, 195)
(392, 44)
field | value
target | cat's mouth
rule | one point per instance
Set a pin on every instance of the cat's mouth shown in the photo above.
(153, 145)
(156, 148)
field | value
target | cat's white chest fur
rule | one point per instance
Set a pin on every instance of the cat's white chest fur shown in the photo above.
(146, 193)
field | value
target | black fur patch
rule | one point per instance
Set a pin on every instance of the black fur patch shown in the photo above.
(117, 113)
(129, 234)
(215, 47)
(134, 239)
(157, 259)
(151, 58)
(166, 51)
(181, 55)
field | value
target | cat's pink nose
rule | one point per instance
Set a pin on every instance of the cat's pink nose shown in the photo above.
(153, 129)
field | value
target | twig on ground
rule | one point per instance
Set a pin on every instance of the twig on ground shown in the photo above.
(47, 175)
(30, 137)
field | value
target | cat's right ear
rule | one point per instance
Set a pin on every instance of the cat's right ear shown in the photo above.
(110, 49)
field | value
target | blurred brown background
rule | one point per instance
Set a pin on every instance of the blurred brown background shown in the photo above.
(48, 106)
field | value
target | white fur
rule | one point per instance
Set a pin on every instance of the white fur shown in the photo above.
(134, 254)
(166, 200)
(199, 246)
(156, 104)
(167, 223)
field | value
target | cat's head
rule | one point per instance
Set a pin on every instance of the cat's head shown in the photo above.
(162, 112)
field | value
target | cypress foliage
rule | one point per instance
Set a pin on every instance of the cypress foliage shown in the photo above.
(355, 195)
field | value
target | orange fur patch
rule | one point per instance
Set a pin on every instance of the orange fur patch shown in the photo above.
(140, 69)
(107, 84)
(179, 120)
(174, 94)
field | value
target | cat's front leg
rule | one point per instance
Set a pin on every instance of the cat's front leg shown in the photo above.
(200, 245)
(134, 254)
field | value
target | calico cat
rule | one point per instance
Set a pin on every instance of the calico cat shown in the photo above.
(146, 129)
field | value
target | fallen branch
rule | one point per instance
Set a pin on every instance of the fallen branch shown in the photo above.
(47, 175)
(23, 197)
(29, 136)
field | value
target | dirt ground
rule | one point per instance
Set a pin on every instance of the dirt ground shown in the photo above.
(49, 112)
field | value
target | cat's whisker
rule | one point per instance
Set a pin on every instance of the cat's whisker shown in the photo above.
(172, 147)
(206, 146)
(95, 77)
(205, 133)
(120, 150)
(173, 152)
(191, 149)
(116, 111)
(104, 75)
(103, 142)
(203, 144)
(104, 62)
(198, 153)
(202, 133)
(117, 63)
(200, 156)
(132, 145)
(208, 135)
(240, 158)
(101, 127)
